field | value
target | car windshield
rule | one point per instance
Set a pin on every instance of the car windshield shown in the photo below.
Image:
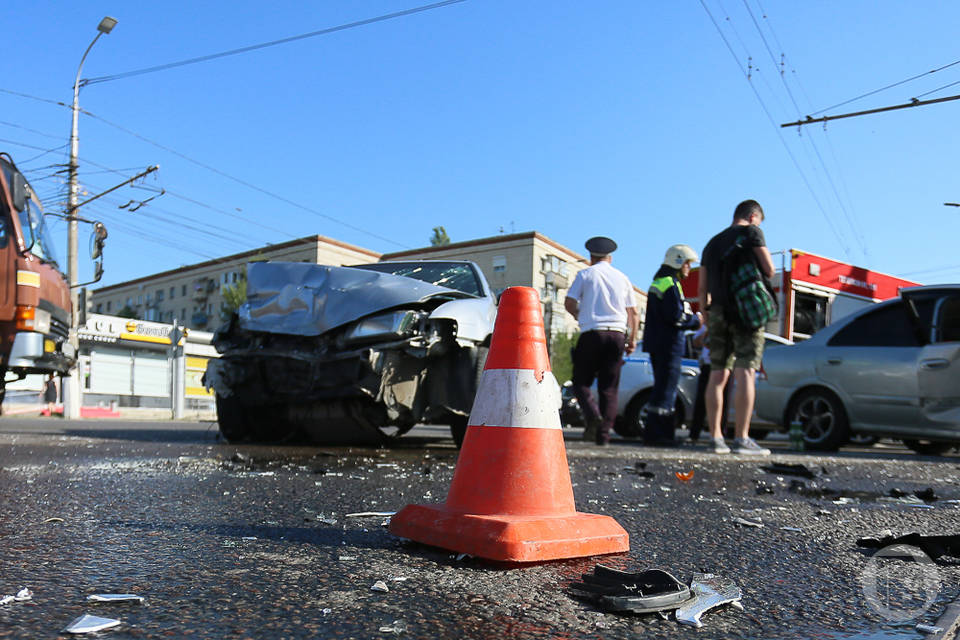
(453, 275)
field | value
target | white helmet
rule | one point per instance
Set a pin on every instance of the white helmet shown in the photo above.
(678, 254)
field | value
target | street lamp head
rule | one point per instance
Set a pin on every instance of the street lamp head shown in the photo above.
(107, 24)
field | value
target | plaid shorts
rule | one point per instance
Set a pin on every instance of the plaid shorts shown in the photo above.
(732, 346)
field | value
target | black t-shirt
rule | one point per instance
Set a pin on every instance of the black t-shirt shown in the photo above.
(715, 250)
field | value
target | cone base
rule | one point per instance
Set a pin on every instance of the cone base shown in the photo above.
(511, 538)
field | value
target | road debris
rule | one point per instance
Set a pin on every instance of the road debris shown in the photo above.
(115, 597)
(370, 514)
(747, 523)
(620, 591)
(380, 586)
(638, 469)
(90, 624)
(52, 520)
(22, 596)
(933, 546)
(708, 591)
(928, 629)
(684, 476)
(799, 470)
(397, 626)
(656, 591)
(795, 529)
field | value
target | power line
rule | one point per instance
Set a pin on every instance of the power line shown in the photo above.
(272, 43)
(766, 111)
(889, 86)
(250, 185)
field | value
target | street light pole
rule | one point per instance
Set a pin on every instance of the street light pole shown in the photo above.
(71, 395)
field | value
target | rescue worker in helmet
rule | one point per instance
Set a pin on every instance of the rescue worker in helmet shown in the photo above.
(668, 316)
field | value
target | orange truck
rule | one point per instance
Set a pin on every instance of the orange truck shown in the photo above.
(35, 309)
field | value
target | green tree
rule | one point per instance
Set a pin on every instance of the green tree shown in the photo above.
(561, 360)
(128, 312)
(233, 296)
(439, 237)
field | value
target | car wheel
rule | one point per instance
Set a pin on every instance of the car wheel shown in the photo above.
(458, 429)
(632, 426)
(824, 420)
(233, 420)
(929, 447)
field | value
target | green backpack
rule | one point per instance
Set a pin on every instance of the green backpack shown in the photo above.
(754, 304)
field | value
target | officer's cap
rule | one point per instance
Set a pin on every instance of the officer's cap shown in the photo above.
(600, 246)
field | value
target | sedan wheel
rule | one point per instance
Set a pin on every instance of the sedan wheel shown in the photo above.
(824, 420)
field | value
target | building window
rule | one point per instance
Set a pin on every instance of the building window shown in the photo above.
(109, 304)
(99, 307)
(159, 295)
(234, 277)
(499, 264)
(172, 289)
(183, 290)
(183, 313)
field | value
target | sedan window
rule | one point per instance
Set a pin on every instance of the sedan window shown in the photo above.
(949, 320)
(889, 326)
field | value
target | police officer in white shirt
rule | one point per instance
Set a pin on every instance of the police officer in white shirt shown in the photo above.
(601, 299)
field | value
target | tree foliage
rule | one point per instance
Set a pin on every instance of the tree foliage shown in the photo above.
(561, 358)
(128, 312)
(233, 296)
(439, 237)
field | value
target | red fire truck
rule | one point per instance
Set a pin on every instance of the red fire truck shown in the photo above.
(814, 291)
(34, 295)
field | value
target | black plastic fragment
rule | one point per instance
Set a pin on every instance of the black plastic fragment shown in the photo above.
(933, 546)
(782, 469)
(620, 591)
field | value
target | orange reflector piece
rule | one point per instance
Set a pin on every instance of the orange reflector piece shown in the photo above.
(511, 499)
(684, 476)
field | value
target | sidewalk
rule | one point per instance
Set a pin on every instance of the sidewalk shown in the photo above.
(93, 413)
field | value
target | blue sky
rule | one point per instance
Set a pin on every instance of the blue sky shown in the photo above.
(624, 118)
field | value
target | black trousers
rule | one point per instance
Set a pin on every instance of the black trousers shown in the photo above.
(598, 356)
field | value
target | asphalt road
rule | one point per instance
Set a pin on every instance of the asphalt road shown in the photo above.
(229, 541)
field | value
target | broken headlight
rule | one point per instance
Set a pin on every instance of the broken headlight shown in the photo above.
(394, 325)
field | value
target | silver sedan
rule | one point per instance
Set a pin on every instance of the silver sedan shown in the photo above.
(892, 369)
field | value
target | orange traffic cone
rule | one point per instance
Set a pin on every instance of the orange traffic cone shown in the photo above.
(511, 499)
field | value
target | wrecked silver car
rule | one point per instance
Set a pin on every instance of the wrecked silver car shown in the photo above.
(352, 355)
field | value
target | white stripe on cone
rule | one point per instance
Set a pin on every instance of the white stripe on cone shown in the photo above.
(514, 398)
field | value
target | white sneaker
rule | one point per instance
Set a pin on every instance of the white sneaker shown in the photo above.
(719, 446)
(747, 446)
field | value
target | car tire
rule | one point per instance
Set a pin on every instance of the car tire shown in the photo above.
(458, 429)
(632, 426)
(233, 419)
(929, 447)
(825, 423)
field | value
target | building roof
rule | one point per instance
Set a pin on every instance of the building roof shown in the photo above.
(493, 240)
(240, 256)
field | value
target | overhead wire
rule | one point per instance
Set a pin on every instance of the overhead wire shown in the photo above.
(773, 123)
(247, 184)
(272, 43)
(219, 172)
(889, 86)
(857, 235)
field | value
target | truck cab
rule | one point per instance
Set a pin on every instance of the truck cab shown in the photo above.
(35, 308)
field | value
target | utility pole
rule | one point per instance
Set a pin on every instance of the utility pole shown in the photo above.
(71, 392)
(912, 103)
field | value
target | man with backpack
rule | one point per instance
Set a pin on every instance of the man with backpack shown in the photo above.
(736, 298)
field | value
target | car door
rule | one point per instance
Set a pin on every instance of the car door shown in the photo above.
(938, 368)
(872, 362)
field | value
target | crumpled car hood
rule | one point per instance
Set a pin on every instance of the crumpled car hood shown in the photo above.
(304, 299)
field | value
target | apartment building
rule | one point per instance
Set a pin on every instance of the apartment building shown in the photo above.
(193, 295)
